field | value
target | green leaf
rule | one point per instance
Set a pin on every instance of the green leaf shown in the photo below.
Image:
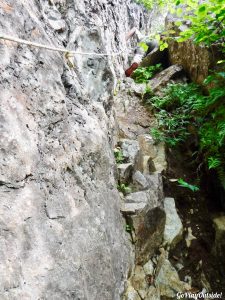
(178, 23)
(213, 162)
(143, 45)
(163, 46)
(184, 184)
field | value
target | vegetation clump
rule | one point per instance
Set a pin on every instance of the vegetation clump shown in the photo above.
(144, 74)
(185, 111)
(118, 154)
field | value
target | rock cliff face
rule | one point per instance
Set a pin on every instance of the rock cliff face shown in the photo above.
(62, 235)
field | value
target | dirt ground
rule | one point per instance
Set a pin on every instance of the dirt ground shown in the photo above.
(196, 210)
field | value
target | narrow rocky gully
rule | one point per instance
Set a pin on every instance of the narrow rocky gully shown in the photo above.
(170, 227)
(90, 206)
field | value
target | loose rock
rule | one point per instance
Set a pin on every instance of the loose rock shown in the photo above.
(168, 281)
(125, 172)
(138, 281)
(173, 227)
(130, 149)
(149, 268)
(139, 181)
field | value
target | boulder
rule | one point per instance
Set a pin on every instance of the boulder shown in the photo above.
(125, 172)
(138, 89)
(142, 196)
(173, 227)
(160, 160)
(137, 202)
(167, 279)
(133, 208)
(130, 149)
(153, 196)
(149, 227)
(153, 294)
(148, 217)
(147, 145)
(149, 268)
(131, 294)
(140, 181)
(138, 281)
(151, 157)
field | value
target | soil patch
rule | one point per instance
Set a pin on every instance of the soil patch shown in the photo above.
(195, 211)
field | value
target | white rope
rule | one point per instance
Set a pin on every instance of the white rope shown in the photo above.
(29, 43)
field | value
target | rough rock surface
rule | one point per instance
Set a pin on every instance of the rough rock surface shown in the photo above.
(125, 172)
(130, 149)
(167, 279)
(139, 282)
(152, 157)
(62, 236)
(131, 294)
(132, 117)
(195, 59)
(173, 227)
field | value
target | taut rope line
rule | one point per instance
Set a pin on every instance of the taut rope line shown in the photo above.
(63, 50)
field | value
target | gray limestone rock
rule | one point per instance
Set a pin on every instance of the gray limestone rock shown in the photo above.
(133, 208)
(153, 294)
(149, 268)
(62, 234)
(173, 227)
(131, 294)
(138, 88)
(139, 181)
(167, 279)
(130, 149)
(148, 217)
(125, 172)
(149, 227)
(151, 157)
(139, 282)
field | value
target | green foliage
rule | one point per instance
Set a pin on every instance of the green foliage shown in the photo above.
(189, 186)
(183, 107)
(123, 188)
(206, 21)
(149, 4)
(174, 112)
(143, 74)
(118, 155)
(129, 228)
(143, 45)
(184, 110)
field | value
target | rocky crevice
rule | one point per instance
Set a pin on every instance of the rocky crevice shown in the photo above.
(187, 246)
(152, 220)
